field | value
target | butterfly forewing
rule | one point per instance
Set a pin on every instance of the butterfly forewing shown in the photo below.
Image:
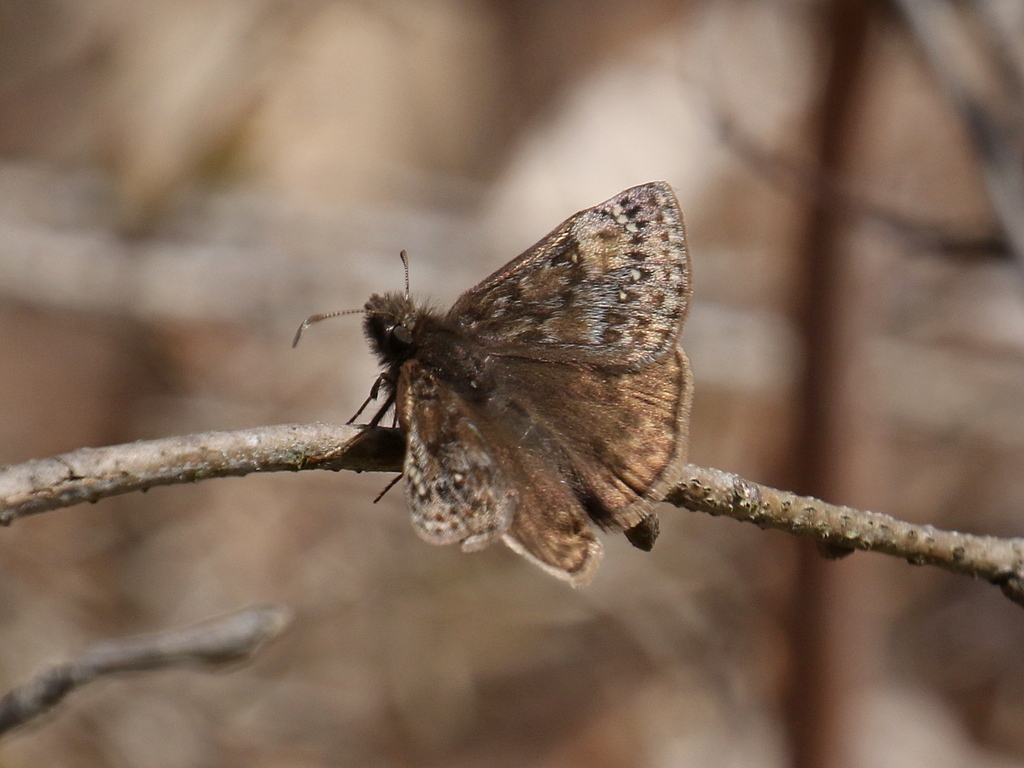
(609, 287)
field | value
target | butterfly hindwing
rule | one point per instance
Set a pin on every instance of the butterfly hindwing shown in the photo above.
(457, 466)
(455, 485)
(551, 526)
(623, 434)
(610, 286)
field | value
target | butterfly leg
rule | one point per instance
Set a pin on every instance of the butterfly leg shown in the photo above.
(372, 396)
(383, 410)
(389, 486)
(374, 391)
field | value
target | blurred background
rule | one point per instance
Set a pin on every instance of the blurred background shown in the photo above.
(183, 181)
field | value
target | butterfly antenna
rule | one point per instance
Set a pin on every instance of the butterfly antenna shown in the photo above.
(405, 263)
(317, 318)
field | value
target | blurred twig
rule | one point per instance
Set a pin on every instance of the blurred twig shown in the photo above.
(219, 641)
(798, 179)
(90, 474)
(984, 87)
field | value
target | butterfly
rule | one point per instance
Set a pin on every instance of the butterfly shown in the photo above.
(552, 397)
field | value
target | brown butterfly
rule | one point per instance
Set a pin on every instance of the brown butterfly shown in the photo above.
(553, 394)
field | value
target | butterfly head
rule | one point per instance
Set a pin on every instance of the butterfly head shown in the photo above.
(390, 324)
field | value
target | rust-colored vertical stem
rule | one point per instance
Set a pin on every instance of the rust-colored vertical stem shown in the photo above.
(822, 679)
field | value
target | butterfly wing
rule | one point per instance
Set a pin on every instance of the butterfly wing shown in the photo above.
(623, 435)
(582, 331)
(550, 527)
(459, 465)
(455, 486)
(609, 287)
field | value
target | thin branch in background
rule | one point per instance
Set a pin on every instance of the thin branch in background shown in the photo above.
(214, 643)
(90, 474)
(796, 178)
(834, 316)
(1005, 45)
(970, 74)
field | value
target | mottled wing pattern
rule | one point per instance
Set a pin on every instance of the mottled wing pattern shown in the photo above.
(455, 485)
(610, 286)
(554, 392)
(457, 468)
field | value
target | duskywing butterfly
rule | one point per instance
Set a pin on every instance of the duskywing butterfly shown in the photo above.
(553, 394)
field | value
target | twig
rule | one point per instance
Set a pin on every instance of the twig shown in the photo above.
(90, 474)
(943, 35)
(997, 560)
(791, 176)
(216, 642)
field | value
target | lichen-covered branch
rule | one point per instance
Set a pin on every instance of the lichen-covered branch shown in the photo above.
(89, 474)
(997, 560)
(219, 641)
